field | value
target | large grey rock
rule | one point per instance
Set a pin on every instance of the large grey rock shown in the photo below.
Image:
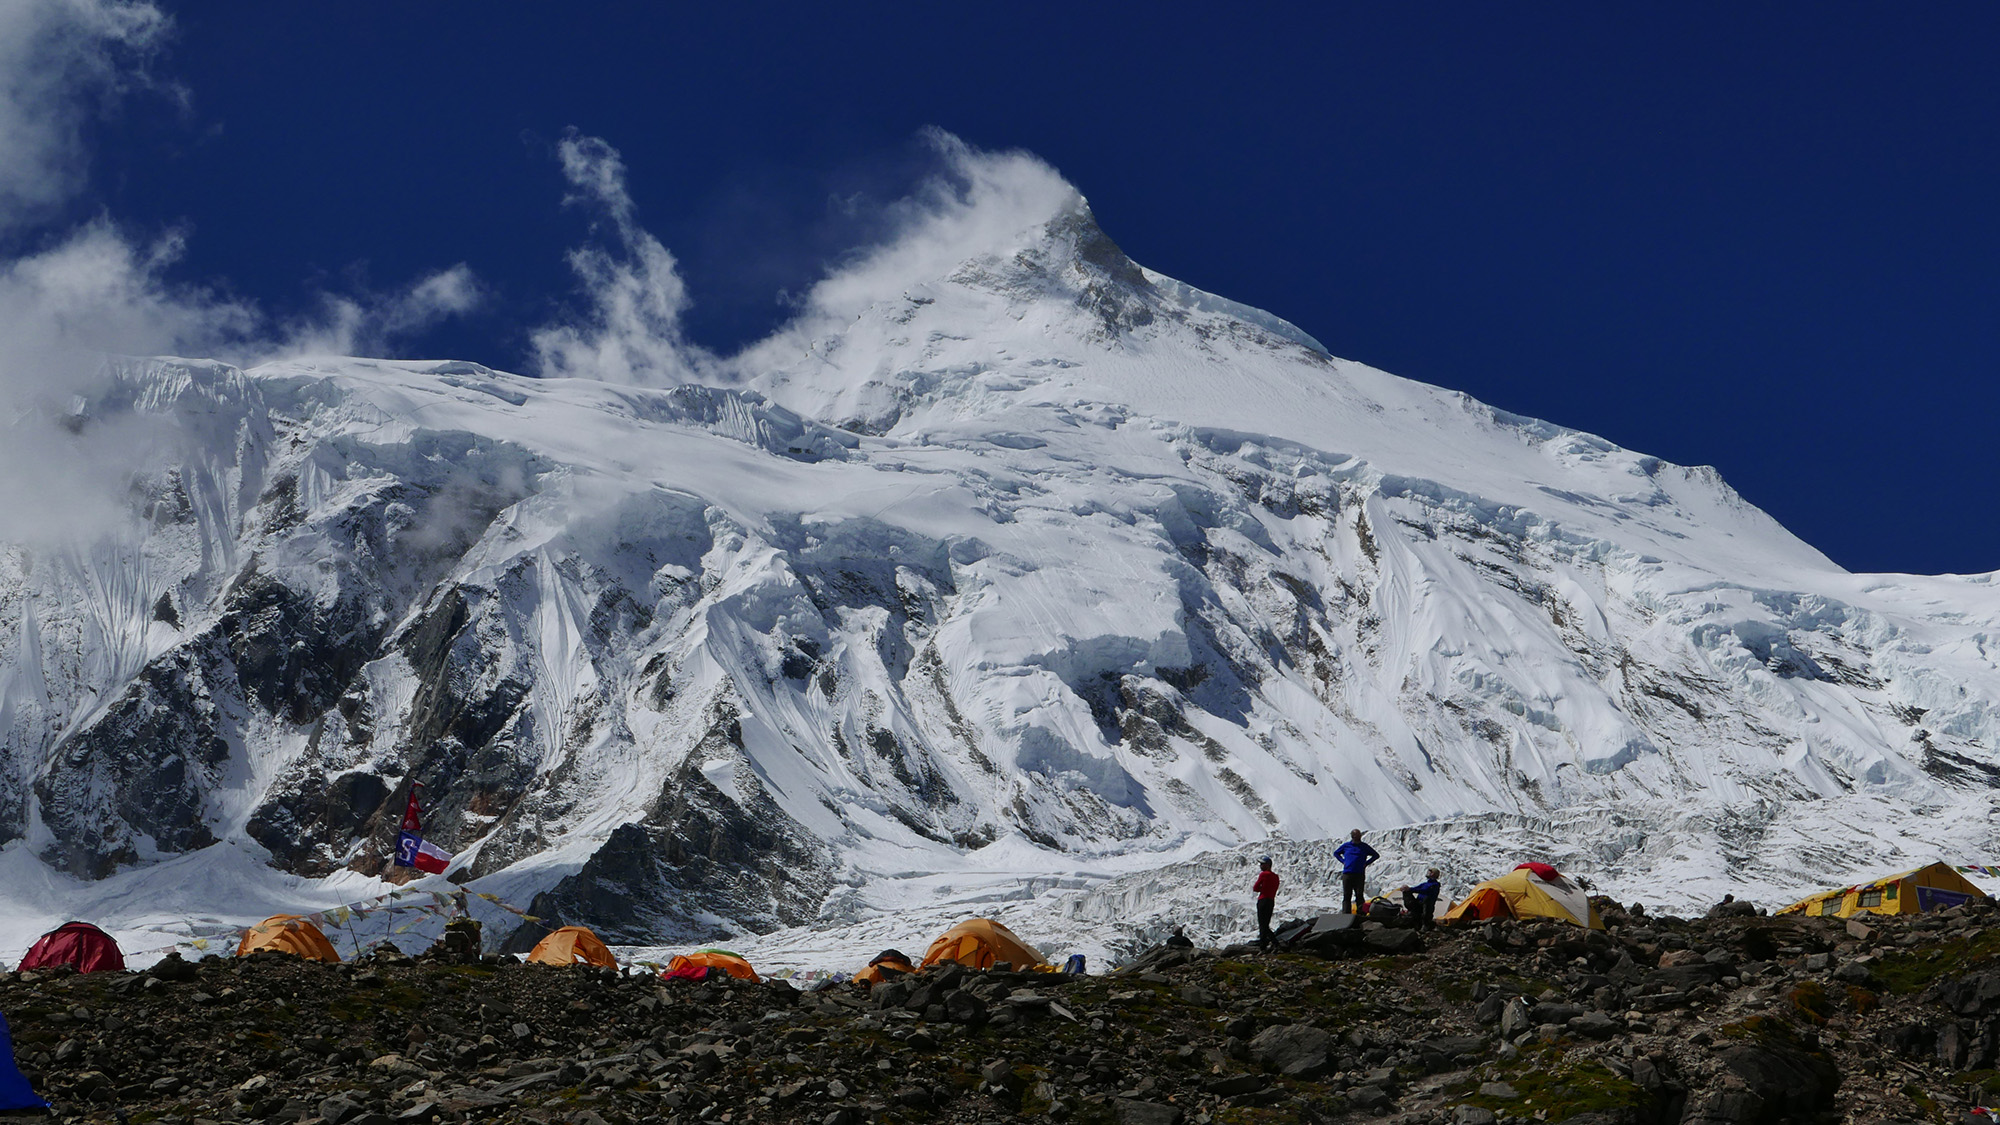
(341, 1109)
(1127, 1111)
(1969, 995)
(1515, 1018)
(1295, 1050)
(1555, 1013)
(1231, 1085)
(962, 1006)
(1394, 941)
(1370, 1098)
(1765, 1082)
(1490, 1008)
(1595, 1025)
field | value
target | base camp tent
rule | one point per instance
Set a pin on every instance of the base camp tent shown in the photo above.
(981, 943)
(78, 944)
(1532, 890)
(572, 945)
(715, 960)
(888, 964)
(288, 933)
(15, 1093)
(1933, 887)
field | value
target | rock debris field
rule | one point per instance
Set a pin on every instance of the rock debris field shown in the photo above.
(1738, 1019)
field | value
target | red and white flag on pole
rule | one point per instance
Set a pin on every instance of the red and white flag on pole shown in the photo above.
(411, 848)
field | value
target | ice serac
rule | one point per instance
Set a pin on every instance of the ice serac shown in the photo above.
(1047, 555)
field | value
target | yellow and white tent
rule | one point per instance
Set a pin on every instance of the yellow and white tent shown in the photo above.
(1931, 887)
(1532, 890)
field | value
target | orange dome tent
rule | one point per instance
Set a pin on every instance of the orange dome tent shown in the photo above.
(572, 945)
(719, 959)
(887, 964)
(980, 943)
(288, 933)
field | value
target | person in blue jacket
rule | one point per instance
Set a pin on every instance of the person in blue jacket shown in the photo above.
(1422, 900)
(15, 1093)
(1354, 857)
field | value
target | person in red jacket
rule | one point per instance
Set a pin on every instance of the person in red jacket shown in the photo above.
(1266, 888)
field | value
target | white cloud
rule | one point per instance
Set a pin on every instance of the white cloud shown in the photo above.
(60, 60)
(980, 204)
(631, 332)
(97, 289)
(61, 310)
(370, 324)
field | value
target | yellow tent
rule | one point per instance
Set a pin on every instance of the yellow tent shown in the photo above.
(288, 933)
(572, 945)
(720, 959)
(1532, 890)
(1933, 887)
(980, 943)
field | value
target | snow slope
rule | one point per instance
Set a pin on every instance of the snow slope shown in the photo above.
(1050, 586)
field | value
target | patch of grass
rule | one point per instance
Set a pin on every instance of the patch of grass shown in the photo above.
(1241, 971)
(1988, 1081)
(1863, 1000)
(1908, 971)
(354, 1007)
(1548, 1082)
(1391, 964)
(1760, 1029)
(1452, 987)
(1811, 1002)
(1255, 1115)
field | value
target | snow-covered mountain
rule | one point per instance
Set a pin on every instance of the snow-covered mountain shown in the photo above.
(1050, 572)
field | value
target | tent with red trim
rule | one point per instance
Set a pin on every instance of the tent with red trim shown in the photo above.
(79, 945)
(1531, 890)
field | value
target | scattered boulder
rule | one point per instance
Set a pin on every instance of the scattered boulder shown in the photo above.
(1294, 1050)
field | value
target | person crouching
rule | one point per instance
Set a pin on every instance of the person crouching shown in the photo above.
(1422, 900)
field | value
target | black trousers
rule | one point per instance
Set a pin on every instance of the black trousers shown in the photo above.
(1352, 898)
(1421, 909)
(1265, 937)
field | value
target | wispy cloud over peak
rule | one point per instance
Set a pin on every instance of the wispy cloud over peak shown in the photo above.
(978, 204)
(631, 330)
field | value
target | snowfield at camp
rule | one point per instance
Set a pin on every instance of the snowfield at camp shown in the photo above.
(1034, 585)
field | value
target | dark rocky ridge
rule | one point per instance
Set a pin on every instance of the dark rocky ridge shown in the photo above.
(1740, 1019)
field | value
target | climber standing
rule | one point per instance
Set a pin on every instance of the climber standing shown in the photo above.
(1354, 857)
(1266, 889)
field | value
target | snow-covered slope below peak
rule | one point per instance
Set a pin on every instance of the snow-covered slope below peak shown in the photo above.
(1049, 568)
(1063, 322)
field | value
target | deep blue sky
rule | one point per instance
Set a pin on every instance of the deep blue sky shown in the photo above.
(1763, 237)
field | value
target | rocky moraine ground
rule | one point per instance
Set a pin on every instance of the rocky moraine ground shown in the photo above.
(1744, 1019)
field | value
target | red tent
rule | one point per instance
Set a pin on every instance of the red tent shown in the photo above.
(80, 944)
(1542, 871)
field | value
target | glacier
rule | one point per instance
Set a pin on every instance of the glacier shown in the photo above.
(1048, 587)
